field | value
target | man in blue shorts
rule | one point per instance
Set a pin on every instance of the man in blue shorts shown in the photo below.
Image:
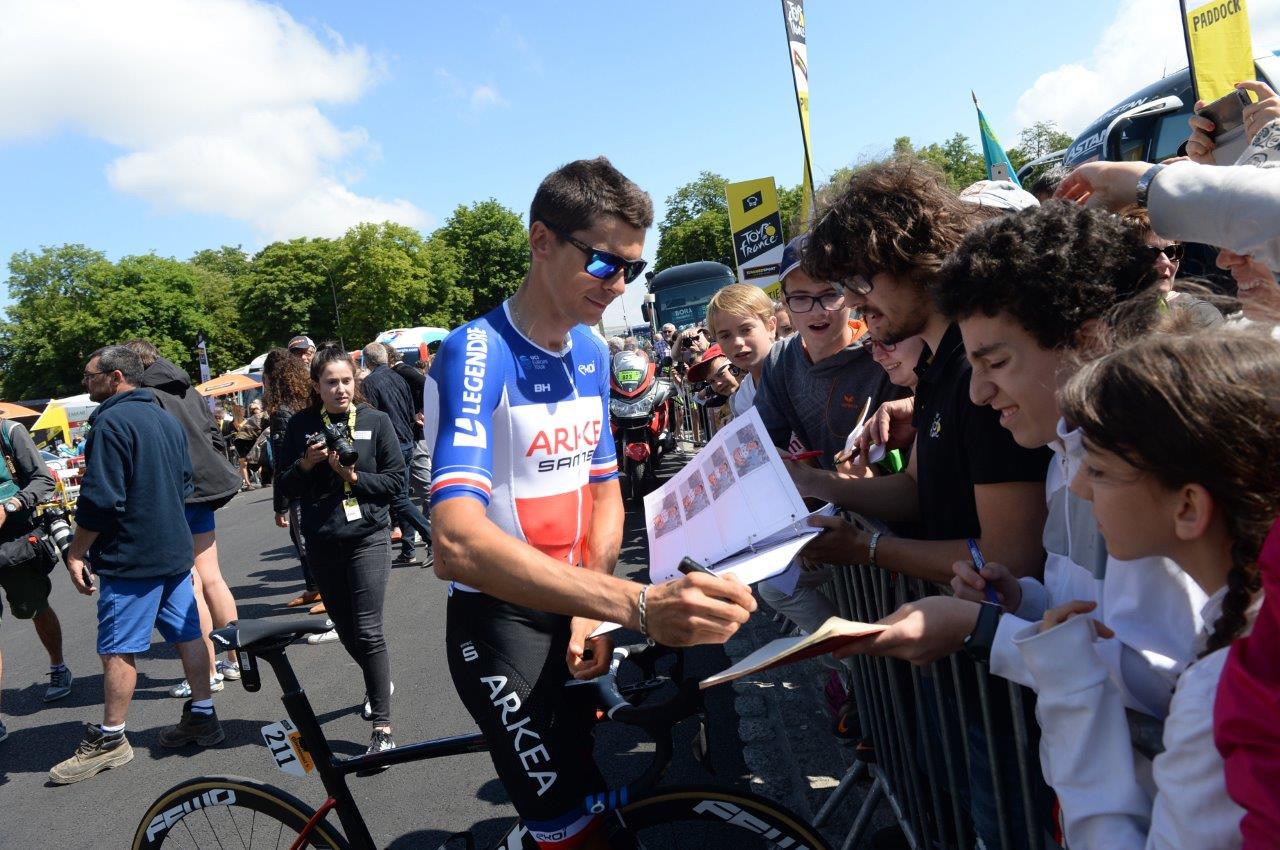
(131, 529)
(527, 511)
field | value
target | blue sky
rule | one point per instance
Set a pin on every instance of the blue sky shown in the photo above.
(174, 125)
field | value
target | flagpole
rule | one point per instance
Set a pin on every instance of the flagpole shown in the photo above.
(1191, 61)
(804, 135)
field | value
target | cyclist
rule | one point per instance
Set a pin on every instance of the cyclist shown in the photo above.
(526, 506)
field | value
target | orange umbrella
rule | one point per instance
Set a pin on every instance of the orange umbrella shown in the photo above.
(228, 384)
(9, 410)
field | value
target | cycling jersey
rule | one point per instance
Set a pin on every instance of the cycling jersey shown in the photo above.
(521, 429)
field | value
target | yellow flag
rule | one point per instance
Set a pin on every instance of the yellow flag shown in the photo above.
(1221, 47)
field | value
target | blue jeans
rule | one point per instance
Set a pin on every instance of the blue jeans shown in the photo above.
(404, 512)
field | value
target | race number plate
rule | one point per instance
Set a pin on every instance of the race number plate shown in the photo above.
(285, 743)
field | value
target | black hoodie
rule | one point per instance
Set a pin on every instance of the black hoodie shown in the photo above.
(214, 478)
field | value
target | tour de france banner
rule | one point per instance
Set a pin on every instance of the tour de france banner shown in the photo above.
(757, 232)
(798, 52)
(1220, 45)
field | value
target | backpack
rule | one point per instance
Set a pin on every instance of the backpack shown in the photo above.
(9, 485)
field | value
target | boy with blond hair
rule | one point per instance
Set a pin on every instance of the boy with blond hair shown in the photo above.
(742, 323)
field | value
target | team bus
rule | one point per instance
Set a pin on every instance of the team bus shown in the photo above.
(679, 295)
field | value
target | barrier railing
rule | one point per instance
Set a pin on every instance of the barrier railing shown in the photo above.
(952, 749)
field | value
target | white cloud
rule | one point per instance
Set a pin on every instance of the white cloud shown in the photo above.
(1141, 43)
(482, 97)
(214, 103)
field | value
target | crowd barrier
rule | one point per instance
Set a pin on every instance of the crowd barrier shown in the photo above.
(940, 741)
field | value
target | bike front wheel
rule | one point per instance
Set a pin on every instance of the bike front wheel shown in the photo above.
(714, 817)
(227, 812)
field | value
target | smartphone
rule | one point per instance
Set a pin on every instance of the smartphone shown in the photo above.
(1227, 115)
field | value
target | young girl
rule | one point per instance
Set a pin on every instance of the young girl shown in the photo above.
(1182, 437)
(741, 320)
(346, 519)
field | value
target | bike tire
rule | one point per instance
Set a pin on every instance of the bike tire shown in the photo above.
(710, 817)
(199, 813)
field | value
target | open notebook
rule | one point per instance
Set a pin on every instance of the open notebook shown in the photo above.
(830, 636)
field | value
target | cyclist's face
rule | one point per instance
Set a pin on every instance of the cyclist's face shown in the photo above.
(576, 295)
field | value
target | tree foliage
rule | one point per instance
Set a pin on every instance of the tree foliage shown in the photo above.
(489, 254)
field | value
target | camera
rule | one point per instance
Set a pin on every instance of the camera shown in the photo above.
(337, 438)
(57, 529)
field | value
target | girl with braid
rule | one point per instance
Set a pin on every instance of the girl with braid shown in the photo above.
(1182, 434)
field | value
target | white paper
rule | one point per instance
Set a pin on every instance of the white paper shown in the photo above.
(874, 455)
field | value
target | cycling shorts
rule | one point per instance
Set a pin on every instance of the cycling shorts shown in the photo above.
(508, 666)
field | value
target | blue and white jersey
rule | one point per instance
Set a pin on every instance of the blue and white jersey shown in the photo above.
(521, 429)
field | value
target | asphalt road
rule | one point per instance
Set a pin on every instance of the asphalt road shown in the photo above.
(414, 805)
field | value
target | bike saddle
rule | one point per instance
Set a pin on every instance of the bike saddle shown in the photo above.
(253, 635)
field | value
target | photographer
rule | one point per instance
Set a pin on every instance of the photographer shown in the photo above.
(25, 482)
(346, 516)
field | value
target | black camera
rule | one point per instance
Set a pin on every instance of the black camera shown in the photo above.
(337, 438)
(56, 527)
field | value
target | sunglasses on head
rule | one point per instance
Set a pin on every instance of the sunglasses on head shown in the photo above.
(602, 265)
(1174, 252)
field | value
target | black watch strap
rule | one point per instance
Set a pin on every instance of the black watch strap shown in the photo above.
(978, 643)
(1144, 184)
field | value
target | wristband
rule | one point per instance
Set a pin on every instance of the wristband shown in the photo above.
(643, 614)
(978, 643)
(1144, 185)
(871, 547)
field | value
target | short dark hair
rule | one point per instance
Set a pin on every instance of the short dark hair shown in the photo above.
(1051, 268)
(393, 356)
(575, 194)
(144, 348)
(118, 358)
(896, 216)
(1047, 183)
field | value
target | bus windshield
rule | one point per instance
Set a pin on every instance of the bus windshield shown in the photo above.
(686, 304)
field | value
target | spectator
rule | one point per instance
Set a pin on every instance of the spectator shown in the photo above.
(345, 517)
(899, 360)
(388, 392)
(132, 530)
(615, 344)
(741, 320)
(718, 371)
(302, 347)
(25, 482)
(783, 319)
(214, 483)
(814, 384)
(1202, 491)
(420, 459)
(662, 344)
(1047, 182)
(286, 391)
(630, 344)
(248, 429)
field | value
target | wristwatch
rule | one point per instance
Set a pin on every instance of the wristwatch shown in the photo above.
(1144, 184)
(12, 506)
(978, 643)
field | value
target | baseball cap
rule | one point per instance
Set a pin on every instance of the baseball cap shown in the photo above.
(301, 341)
(1000, 194)
(791, 255)
(698, 371)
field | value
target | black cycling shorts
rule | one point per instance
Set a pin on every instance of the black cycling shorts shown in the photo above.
(508, 666)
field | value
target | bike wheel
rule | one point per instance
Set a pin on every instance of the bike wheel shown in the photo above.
(228, 812)
(707, 817)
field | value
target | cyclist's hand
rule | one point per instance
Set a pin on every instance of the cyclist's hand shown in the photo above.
(890, 427)
(601, 649)
(697, 608)
(282, 520)
(968, 583)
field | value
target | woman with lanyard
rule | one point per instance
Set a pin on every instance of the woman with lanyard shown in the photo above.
(346, 517)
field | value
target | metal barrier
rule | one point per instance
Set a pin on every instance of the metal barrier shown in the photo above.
(946, 740)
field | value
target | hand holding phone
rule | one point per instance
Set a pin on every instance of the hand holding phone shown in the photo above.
(1227, 115)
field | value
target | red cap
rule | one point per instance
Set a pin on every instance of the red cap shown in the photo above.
(698, 371)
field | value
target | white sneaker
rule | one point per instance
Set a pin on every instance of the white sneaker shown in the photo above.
(323, 637)
(366, 711)
(183, 691)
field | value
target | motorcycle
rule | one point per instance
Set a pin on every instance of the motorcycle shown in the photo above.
(641, 411)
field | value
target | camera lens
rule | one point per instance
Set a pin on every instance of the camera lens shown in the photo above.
(338, 439)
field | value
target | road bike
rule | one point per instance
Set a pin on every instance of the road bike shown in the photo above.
(234, 812)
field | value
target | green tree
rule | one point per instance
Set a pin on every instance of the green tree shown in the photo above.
(291, 288)
(490, 256)
(958, 160)
(1041, 138)
(382, 273)
(696, 224)
(231, 262)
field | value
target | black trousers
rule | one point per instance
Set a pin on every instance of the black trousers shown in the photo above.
(352, 577)
(404, 512)
(300, 542)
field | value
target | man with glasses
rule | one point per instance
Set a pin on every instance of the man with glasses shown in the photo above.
(526, 507)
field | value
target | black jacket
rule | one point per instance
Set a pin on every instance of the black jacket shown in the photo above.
(137, 475)
(213, 478)
(416, 381)
(380, 469)
(278, 425)
(36, 485)
(389, 393)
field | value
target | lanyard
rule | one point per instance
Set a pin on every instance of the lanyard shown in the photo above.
(351, 429)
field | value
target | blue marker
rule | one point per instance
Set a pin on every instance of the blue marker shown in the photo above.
(980, 563)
